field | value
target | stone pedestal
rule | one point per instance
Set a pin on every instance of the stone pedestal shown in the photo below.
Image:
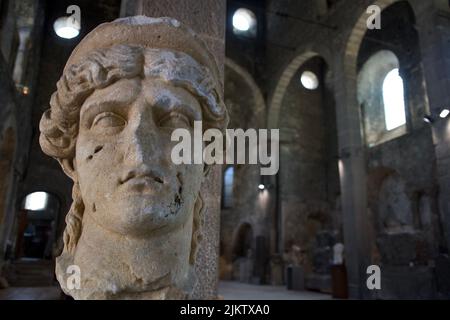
(339, 281)
(319, 282)
(403, 282)
(295, 278)
(276, 271)
(401, 249)
(245, 270)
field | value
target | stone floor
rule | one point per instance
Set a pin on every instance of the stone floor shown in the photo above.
(241, 291)
(30, 293)
(227, 289)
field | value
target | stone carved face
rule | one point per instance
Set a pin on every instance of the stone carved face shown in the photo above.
(123, 151)
(134, 224)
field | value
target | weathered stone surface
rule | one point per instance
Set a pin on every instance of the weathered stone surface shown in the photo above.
(137, 218)
(295, 278)
(442, 275)
(407, 283)
(402, 249)
(322, 260)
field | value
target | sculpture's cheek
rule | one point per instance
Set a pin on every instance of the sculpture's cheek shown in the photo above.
(97, 165)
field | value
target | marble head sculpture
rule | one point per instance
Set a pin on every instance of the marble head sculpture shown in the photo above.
(135, 222)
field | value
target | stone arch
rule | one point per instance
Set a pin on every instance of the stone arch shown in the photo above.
(442, 5)
(247, 109)
(389, 197)
(351, 52)
(63, 202)
(308, 150)
(348, 109)
(354, 43)
(375, 178)
(258, 102)
(351, 148)
(48, 217)
(242, 240)
(305, 53)
(282, 85)
(52, 194)
(371, 77)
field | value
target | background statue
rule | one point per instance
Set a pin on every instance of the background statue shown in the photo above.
(135, 222)
(295, 256)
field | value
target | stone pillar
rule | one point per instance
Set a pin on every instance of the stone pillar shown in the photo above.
(352, 171)
(8, 32)
(434, 36)
(21, 58)
(207, 19)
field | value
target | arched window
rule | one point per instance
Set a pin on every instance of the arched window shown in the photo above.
(381, 95)
(36, 201)
(394, 100)
(228, 179)
(37, 225)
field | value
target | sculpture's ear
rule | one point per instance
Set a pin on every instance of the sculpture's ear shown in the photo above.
(68, 167)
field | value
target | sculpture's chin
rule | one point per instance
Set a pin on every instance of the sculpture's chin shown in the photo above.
(93, 286)
(141, 216)
(160, 289)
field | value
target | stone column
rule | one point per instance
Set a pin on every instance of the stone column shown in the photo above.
(434, 36)
(207, 19)
(21, 58)
(352, 172)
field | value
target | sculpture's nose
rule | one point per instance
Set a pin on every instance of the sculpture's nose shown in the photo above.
(144, 145)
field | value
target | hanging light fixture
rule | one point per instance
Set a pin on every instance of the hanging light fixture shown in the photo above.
(244, 22)
(67, 27)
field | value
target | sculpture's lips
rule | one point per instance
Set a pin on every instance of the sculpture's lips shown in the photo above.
(141, 180)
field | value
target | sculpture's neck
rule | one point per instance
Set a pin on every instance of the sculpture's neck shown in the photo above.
(125, 266)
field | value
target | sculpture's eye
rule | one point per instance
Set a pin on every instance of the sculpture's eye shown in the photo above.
(175, 120)
(108, 120)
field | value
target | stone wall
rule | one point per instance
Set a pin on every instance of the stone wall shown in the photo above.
(341, 30)
(314, 139)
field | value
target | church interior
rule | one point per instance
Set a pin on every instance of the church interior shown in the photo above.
(363, 113)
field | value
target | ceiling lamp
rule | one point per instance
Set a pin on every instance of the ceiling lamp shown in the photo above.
(36, 201)
(67, 27)
(244, 22)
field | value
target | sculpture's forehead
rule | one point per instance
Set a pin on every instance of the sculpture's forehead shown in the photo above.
(124, 91)
(153, 91)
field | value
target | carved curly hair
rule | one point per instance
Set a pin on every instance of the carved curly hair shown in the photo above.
(101, 68)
